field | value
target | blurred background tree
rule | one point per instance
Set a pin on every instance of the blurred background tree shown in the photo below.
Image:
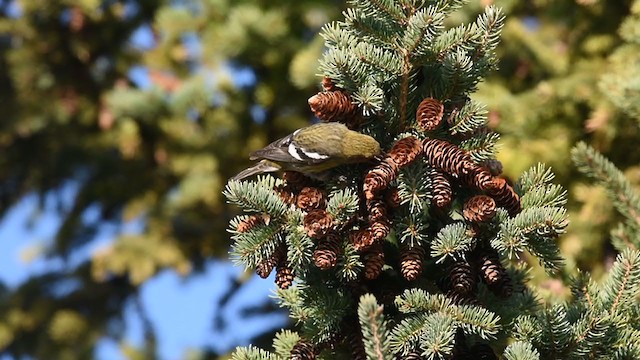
(147, 107)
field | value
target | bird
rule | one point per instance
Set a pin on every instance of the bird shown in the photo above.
(313, 150)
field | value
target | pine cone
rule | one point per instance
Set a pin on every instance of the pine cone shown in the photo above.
(284, 277)
(296, 180)
(413, 356)
(480, 208)
(286, 193)
(380, 229)
(326, 254)
(333, 106)
(494, 274)
(303, 350)
(462, 277)
(503, 289)
(392, 198)
(361, 239)
(379, 177)
(317, 223)
(311, 198)
(249, 223)
(377, 210)
(442, 193)
(446, 157)
(411, 260)
(328, 84)
(265, 267)
(355, 343)
(405, 151)
(504, 195)
(476, 176)
(373, 262)
(491, 268)
(460, 299)
(429, 114)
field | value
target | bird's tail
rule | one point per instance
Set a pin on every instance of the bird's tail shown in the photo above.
(264, 166)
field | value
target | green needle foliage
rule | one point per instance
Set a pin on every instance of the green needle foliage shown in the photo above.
(442, 271)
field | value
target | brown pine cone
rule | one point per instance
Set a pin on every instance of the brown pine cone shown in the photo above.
(377, 210)
(460, 299)
(284, 277)
(317, 223)
(296, 180)
(380, 229)
(392, 198)
(249, 223)
(265, 267)
(328, 84)
(411, 261)
(405, 151)
(491, 268)
(446, 156)
(333, 106)
(480, 208)
(303, 350)
(429, 114)
(442, 192)
(373, 262)
(329, 248)
(311, 198)
(504, 195)
(286, 193)
(355, 342)
(494, 274)
(361, 239)
(476, 176)
(413, 356)
(379, 177)
(462, 277)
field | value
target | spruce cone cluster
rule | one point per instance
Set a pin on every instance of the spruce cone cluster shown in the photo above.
(481, 264)
(310, 198)
(454, 161)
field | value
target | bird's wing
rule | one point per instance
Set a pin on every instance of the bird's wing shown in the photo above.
(285, 150)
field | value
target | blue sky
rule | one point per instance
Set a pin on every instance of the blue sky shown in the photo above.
(181, 309)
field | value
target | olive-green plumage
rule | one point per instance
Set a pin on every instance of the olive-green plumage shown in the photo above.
(313, 149)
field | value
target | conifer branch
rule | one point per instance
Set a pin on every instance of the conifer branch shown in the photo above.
(593, 164)
(374, 328)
